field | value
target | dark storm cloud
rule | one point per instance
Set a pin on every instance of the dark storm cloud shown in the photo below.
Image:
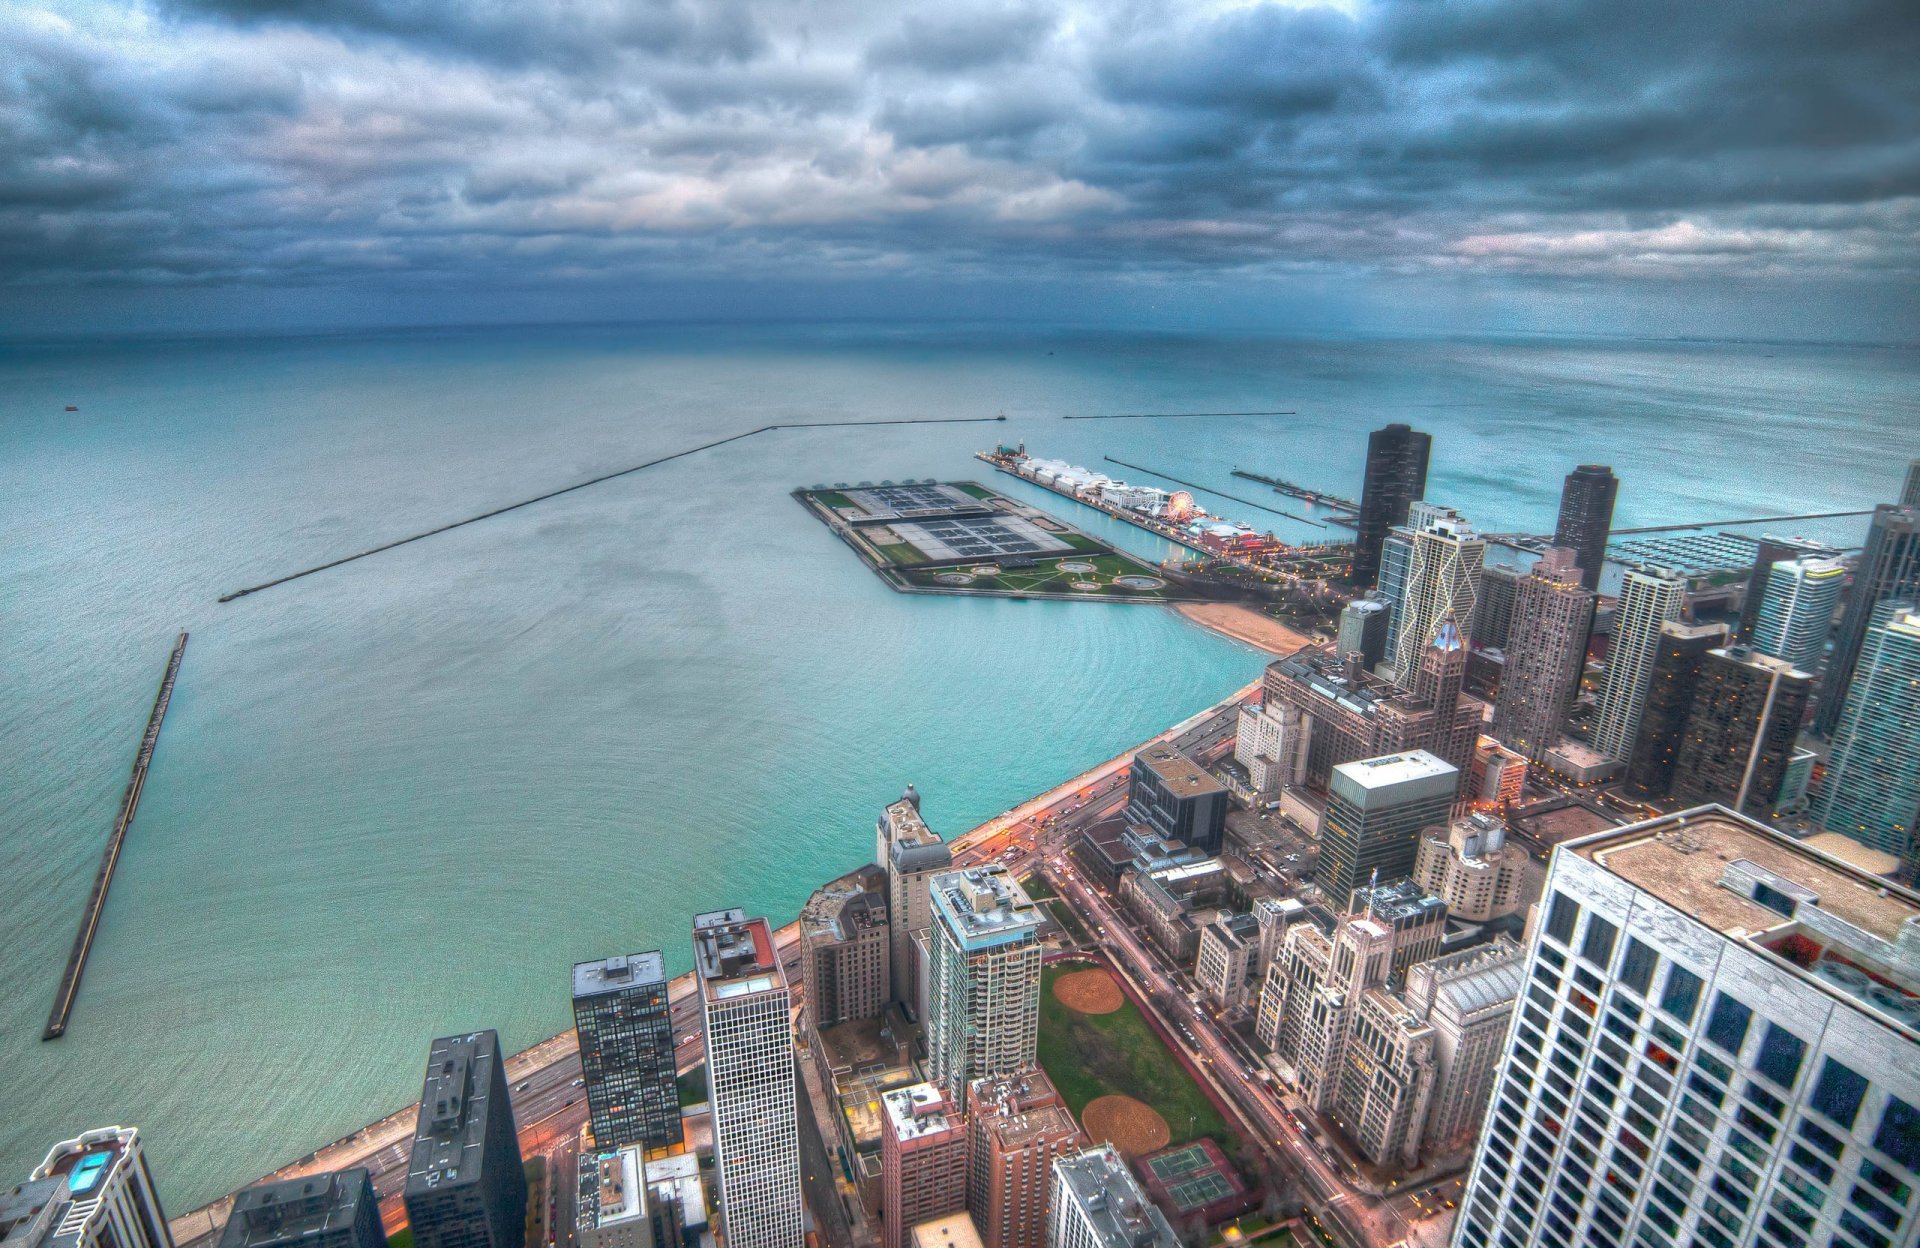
(502, 142)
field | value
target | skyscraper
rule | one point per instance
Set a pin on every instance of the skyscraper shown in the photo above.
(1771, 551)
(1796, 611)
(1889, 568)
(983, 1001)
(1719, 1044)
(1019, 1124)
(1910, 488)
(1586, 516)
(1648, 599)
(845, 946)
(1437, 682)
(1443, 579)
(1097, 1204)
(626, 1050)
(1363, 630)
(1741, 730)
(1676, 675)
(923, 1160)
(1376, 809)
(465, 1187)
(1396, 474)
(746, 1006)
(1493, 608)
(1872, 787)
(93, 1191)
(1177, 798)
(336, 1210)
(912, 854)
(1546, 650)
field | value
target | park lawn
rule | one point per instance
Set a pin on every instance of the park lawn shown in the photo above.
(692, 1086)
(1037, 887)
(402, 1238)
(1094, 1055)
(1063, 915)
(1080, 541)
(833, 498)
(900, 552)
(977, 491)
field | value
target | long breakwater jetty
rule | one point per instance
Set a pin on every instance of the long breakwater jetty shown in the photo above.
(1301, 492)
(1153, 472)
(110, 857)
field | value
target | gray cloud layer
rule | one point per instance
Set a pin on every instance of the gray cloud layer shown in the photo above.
(461, 143)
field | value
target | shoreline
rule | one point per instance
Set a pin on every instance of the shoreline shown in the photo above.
(1245, 625)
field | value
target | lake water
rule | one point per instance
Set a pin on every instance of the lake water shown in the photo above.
(399, 799)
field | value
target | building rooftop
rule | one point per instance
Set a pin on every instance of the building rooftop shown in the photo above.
(619, 973)
(919, 1111)
(1853, 853)
(911, 844)
(449, 1139)
(1394, 769)
(1850, 931)
(1765, 662)
(1180, 774)
(985, 906)
(677, 1178)
(1484, 977)
(1119, 1214)
(281, 1213)
(734, 956)
(1236, 930)
(613, 1188)
(956, 1230)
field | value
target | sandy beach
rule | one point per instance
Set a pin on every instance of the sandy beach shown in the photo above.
(1243, 623)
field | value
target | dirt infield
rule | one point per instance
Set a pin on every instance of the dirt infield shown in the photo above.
(1090, 992)
(1129, 1125)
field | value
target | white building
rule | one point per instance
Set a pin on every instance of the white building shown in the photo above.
(1647, 601)
(1471, 867)
(912, 854)
(1229, 954)
(612, 1210)
(1444, 558)
(93, 1191)
(1719, 1045)
(983, 992)
(746, 1007)
(1270, 741)
(1796, 610)
(1097, 1204)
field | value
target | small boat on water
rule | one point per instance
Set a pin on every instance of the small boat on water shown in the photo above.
(73, 407)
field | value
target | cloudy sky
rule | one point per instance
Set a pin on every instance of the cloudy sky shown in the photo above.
(1619, 165)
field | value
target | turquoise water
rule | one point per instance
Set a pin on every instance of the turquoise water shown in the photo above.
(400, 798)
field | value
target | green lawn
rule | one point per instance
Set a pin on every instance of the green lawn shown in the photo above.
(977, 491)
(1037, 887)
(1079, 541)
(900, 552)
(1094, 1055)
(693, 1086)
(833, 498)
(402, 1238)
(1064, 915)
(1046, 577)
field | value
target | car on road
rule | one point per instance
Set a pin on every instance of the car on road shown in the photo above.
(522, 1087)
(578, 1083)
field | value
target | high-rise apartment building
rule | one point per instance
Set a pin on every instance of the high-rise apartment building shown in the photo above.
(1466, 999)
(1872, 787)
(1443, 580)
(1097, 1204)
(1889, 569)
(1018, 1124)
(1438, 682)
(93, 1191)
(1770, 551)
(1376, 809)
(465, 1187)
(923, 1160)
(1363, 630)
(846, 947)
(1417, 919)
(983, 998)
(1225, 962)
(1648, 599)
(1396, 475)
(1741, 731)
(1546, 651)
(1270, 741)
(1493, 608)
(336, 1210)
(1910, 488)
(746, 1006)
(1677, 658)
(1719, 1045)
(912, 855)
(1586, 516)
(1796, 610)
(1178, 798)
(1351, 714)
(1472, 869)
(626, 1050)
(1498, 776)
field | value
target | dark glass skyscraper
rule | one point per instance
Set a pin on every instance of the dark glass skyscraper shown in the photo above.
(335, 1210)
(465, 1187)
(1396, 475)
(1586, 516)
(626, 1050)
(1889, 567)
(1741, 730)
(1676, 678)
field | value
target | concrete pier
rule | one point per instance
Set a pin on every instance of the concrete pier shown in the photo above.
(110, 857)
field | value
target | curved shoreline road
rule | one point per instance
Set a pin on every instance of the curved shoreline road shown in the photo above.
(547, 1106)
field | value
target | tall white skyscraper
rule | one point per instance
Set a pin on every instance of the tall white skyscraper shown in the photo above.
(749, 1038)
(1097, 1204)
(1872, 787)
(1796, 610)
(1647, 600)
(1719, 1044)
(94, 1191)
(912, 854)
(983, 998)
(1443, 577)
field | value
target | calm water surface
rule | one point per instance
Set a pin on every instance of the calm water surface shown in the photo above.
(399, 799)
